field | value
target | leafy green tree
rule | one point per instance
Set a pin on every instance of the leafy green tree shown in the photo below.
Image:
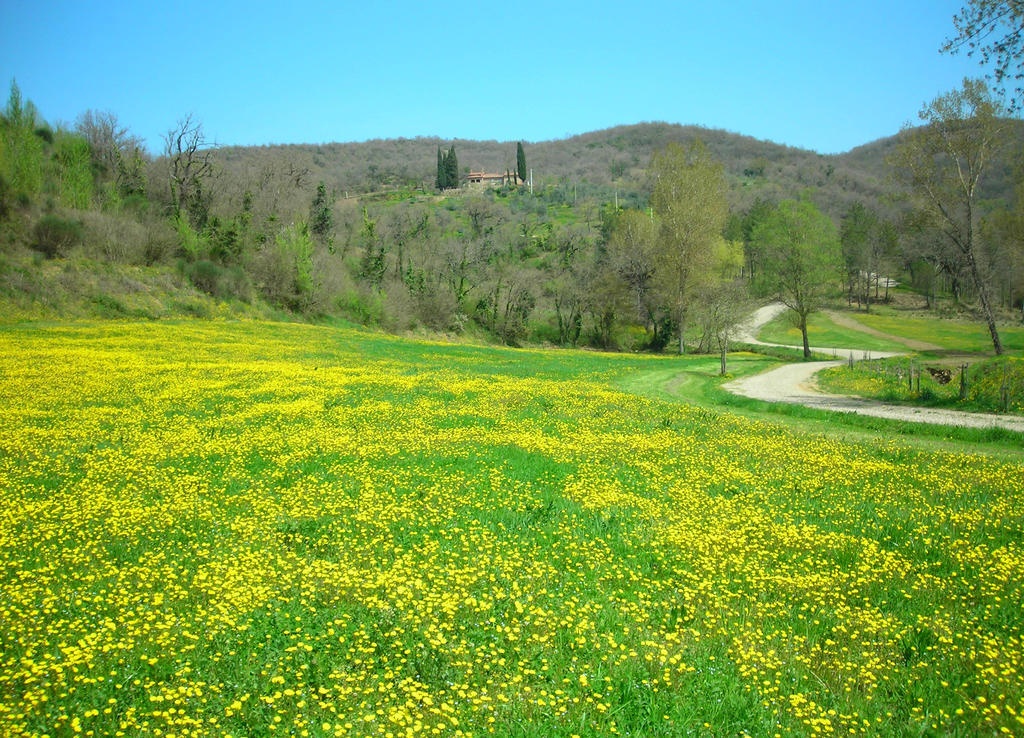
(689, 200)
(21, 150)
(73, 170)
(757, 212)
(943, 163)
(857, 234)
(801, 258)
(521, 161)
(1004, 241)
(295, 249)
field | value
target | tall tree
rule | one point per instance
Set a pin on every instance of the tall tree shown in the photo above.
(1004, 240)
(521, 161)
(859, 234)
(442, 175)
(995, 30)
(801, 258)
(689, 200)
(72, 166)
(451, 167)
(21, 150)
(321, 221)
(189, 155)
(118, 156)
(943, 163)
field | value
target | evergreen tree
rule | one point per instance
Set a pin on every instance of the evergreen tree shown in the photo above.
(521, 161)
(442, 177)
(451, 165)
(21, 149)
(320, 219)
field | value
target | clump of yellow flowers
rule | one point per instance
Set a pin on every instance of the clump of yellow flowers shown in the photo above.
(234, 529)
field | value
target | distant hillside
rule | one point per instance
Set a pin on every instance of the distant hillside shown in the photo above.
(598, 164)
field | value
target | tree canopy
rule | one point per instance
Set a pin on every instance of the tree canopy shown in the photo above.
(993, 30)
(943, 163)
(801, 251)
(689, 199)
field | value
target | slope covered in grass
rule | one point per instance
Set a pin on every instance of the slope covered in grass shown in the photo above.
(824, 333)
(269, 529)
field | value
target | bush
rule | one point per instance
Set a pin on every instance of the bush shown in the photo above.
(205, 275)
(362, 306)
(438, 310)
(216, 280)
(113, 237)
(108, 306)
(55, 236)
(160, 242)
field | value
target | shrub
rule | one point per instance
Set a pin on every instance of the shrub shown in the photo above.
(362, 306)
(215, 280)
(160, 242)
(114, 237)
(206, 276)
(55, 236)
(108, 306)
(437, 309)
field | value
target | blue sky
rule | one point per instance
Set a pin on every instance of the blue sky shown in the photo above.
(821, 75)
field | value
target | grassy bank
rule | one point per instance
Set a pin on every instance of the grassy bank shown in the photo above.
(991, 385)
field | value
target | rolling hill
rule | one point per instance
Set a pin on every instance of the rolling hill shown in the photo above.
(601, 163)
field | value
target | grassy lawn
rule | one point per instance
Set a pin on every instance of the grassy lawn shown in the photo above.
(824, 333)
(263, 529)
(953, 335)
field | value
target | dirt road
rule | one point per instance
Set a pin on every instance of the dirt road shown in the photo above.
(794, 383)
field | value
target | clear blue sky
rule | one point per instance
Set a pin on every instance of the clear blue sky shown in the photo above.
(817, 74)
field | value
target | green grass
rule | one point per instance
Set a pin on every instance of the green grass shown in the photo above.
(265, 529)
(952, 335)
(697, 382)
(824, 333)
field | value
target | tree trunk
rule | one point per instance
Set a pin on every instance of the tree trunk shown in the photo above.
(682, 326)
(724, 347)
(986, 306)
(803, 330)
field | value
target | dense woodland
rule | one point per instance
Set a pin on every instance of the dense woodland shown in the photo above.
(631, 238)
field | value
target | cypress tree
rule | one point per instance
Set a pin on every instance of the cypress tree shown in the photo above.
(320, 219)
(452, 167)
(441, 173)
(521, 161)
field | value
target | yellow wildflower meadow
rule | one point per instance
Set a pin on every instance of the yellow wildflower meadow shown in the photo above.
(237, 529)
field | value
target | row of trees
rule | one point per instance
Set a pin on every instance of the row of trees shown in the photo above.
(796, 253)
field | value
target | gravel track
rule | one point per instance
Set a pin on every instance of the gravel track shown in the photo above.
(794, 383)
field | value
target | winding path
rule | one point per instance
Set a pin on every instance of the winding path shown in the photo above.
(794, 383)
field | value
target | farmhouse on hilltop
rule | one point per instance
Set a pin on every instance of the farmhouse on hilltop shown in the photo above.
(488, 179)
